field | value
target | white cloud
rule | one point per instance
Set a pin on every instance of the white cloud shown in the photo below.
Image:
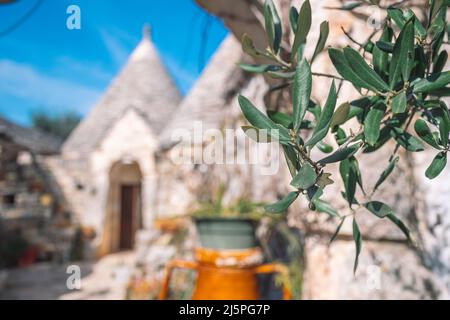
(23, 81)
(118, 51)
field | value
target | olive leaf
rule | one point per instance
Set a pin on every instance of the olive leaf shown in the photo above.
(341, 115)
(341, 154)
(324, 180)
(323, 36)
(273, 25)
(406, 140)
(259, 68)
(386, 173)
(258, 135)
(303, 27)
(293, 18)
(424, 132)
(399, 103)
(378, 208)
(403, 55)
(336, 233)
(301, 92)
(344, 69)
(281, 118)
(437, 166)
(372, 123)
(349, 177)
(282, 205)
(291, 159)
(305, 178)
(325, 148)
(380, 57)
(363, 70)
(261, 121)
(440, 62)
(358, 243)
(325, 207)
(431, 83)
(326, 115)
(249, 48)
(400, 225)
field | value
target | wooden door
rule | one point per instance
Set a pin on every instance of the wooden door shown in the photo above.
(129, 215)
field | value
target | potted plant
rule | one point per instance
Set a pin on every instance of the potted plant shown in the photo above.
(230, 227)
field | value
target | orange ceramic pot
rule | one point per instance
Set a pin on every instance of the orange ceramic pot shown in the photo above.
(225, 274)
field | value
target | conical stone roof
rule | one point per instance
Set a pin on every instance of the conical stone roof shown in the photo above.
(144, 85)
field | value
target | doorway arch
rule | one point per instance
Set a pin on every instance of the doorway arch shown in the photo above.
(123, 208)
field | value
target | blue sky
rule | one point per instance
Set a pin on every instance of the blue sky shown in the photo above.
(45, 66)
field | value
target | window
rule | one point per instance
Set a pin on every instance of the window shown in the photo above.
(9, 200)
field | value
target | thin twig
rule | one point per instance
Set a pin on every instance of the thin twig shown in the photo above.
(351, 39)
(319, 74)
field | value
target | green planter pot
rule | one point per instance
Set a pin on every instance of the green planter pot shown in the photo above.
(226, 233)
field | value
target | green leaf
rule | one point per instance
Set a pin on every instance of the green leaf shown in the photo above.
(273, 25)
(305, 178)
(372, 123)
(258, 135)
(363, 70)
(259, 68)
(343, 68)
(336, 233)
(324, 31)
(381, 58)
(281, 118)
(358, 243)
(303, 27)
(301, 92)
(397, 16)
(399, 103)
(400, 225)
(379, 209)
(406, 140)
(282, 205)
(385, 46)
(291, 160)
(386, 173)
(346, 7)
(261, 121)
(325, 207)
(355, 167)
(293, 18)
(349, 177)
(323, 124)
(424, 132)
(341, 115)
(341, 154)
(402, 61)
(433, 82)
(249, 48)
(325, 148)
(444, 124)
(324, 180)
(437, 166)
(440, 62)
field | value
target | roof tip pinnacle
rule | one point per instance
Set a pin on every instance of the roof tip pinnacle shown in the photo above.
(147, 31)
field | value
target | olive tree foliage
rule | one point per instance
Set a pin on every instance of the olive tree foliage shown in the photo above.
(399, 74)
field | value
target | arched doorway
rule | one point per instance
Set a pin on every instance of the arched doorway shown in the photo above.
(123, 214)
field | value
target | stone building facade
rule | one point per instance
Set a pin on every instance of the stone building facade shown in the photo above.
(32, 215)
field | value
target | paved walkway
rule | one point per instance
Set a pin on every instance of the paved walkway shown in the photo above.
(106, 279)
